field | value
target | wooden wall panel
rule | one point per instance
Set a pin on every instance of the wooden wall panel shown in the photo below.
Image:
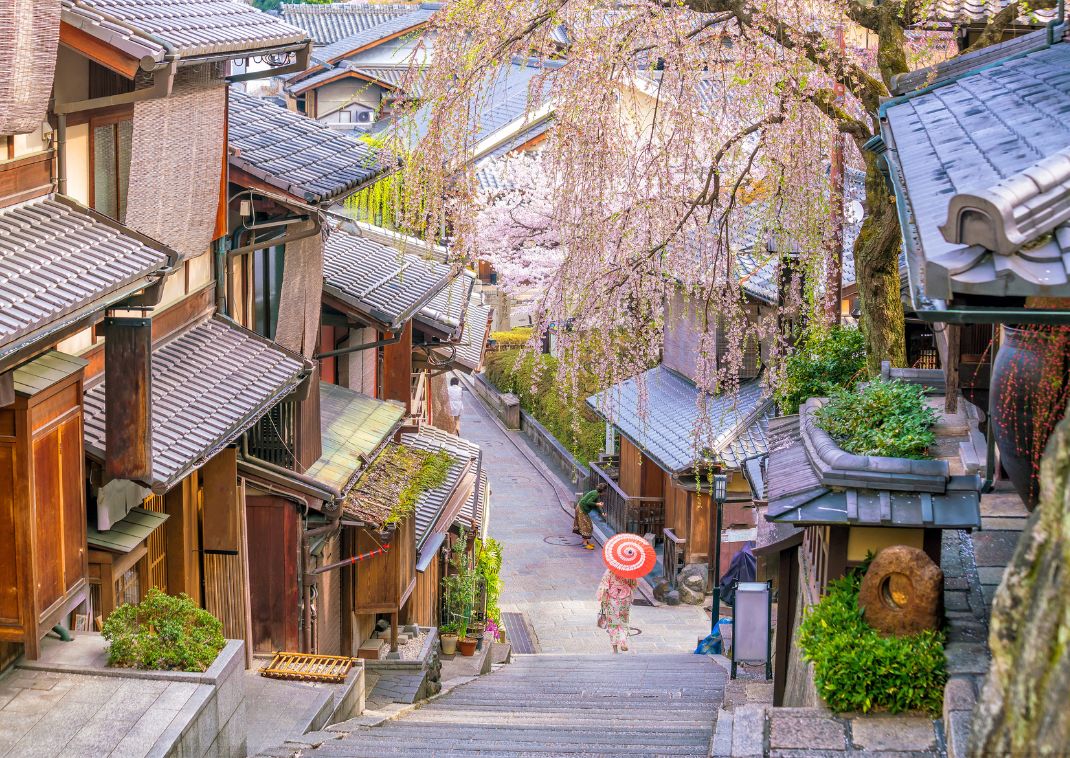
(48, 520)
(397, 369)
(224, 592)
(220, 528)
(630, 467)
(72, 489)
(183, 538)
(127, 361)
(273, 592)
(329, 602)
(423, 606)
(9, 570)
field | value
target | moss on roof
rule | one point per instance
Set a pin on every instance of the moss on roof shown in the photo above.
(387, 492)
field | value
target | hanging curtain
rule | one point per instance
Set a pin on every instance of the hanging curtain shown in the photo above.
(302, 292)
(175, 162)
(29, 39)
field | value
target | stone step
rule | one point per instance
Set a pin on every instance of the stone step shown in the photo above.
(416, 746)
(463, 720)
(469, 733)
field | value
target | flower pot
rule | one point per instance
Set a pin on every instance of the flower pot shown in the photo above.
(467, 646)
(449, 644)
(1028, 386)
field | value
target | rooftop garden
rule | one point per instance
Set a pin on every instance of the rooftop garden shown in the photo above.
(387, 492)
(882, 418)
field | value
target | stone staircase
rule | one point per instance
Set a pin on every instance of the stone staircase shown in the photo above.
(558, 705)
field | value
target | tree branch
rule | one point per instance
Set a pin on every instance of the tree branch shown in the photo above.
(997, 24)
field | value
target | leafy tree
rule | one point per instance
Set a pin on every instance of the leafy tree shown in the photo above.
(825, 360)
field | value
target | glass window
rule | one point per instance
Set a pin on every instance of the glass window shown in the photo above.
(267, 287)
(111, 167)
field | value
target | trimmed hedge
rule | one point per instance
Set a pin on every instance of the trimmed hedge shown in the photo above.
(857, 669)
(573, 424)
(883, 418)
(513, 339)
(163, 633)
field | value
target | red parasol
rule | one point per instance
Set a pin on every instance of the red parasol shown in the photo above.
(629, 556)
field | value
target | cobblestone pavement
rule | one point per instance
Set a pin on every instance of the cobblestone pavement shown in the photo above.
(554, 584)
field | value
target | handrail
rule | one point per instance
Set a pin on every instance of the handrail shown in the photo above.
(610, 482)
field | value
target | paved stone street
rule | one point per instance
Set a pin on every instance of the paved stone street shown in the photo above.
(553, 584)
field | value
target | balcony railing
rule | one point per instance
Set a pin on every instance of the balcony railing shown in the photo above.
(274, 437)
(625, 513)
(419, 396)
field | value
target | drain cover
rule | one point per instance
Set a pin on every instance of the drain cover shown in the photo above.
(642, 601)
(566, 541)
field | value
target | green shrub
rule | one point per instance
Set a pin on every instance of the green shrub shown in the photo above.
(883, 418)
(856, 669)
(489, 568)
(824, 361)
(573, 424)
(515, 338)
(163, 633)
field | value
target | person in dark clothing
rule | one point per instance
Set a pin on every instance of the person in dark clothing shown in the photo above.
(581, 523)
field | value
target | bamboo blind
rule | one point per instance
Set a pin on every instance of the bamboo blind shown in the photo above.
(175, 162)
(29, 40)
(302, 292)
(224, 595)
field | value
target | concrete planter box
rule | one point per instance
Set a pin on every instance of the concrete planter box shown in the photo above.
(210, 721)
(416, 679)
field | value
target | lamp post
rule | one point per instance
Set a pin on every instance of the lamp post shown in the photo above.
(720, 495)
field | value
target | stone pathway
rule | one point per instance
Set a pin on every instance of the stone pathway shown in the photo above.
(554, 584)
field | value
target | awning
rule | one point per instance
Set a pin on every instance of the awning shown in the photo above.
(369, 279)
(353, 428)
(210, 383)
(127, 534)
(60, 263)
(468, 353)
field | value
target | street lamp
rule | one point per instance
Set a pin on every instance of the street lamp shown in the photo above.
(720, 495)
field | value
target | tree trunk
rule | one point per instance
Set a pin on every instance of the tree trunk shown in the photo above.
(877, 272)
(1022, 708)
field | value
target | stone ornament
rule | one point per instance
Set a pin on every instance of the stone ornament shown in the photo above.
(901, 593)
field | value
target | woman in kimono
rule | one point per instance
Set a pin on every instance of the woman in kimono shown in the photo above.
(615, 596)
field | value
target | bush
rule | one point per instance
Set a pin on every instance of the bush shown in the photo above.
(163, 633)
(884, 418)
(489, 568)
(856, 669)
(513, 339)
(824, 361)
(567, 419)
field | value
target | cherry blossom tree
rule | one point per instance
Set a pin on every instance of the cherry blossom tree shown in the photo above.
(680, 126)
(514, 226)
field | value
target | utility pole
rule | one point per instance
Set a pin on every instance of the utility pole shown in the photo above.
(834, 283)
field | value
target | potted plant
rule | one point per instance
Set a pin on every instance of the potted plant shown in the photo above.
(458, 589)
(465, 645)
(447, 634)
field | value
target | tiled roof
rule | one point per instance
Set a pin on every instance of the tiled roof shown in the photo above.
(392, 76)
(473, 514)
(668, 424)
(353, 426)
(190, 27)
(979, 11)
(379, 281)
(446, 310)
(328, 23)
(57, 258)
(979, 141)
(389, 28)
(209, 384)
(467, 461)
(469, 352)
(295, 153)
(299, 85)
(487, 177)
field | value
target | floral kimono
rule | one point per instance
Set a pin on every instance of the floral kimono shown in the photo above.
(615, 596)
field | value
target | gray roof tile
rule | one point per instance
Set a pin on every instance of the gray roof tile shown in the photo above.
(470, 350)
(669, 426)
(446, 310)
(968, 137)
(388, 28)
(57, 257)
(467, 456)
(330, 22)
(209, 384)
(379, 281)
(190, 27)
(979, 11)
(295, 153)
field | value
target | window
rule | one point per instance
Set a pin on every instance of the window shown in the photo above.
(267, 288)
(110, 156)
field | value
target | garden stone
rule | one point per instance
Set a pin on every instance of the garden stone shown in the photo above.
(694, 576)
(901, 592)
(661, 590)
(690, 596)
(672, 598)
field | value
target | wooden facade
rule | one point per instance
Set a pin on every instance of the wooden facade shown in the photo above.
(43, 555)
(385, 582)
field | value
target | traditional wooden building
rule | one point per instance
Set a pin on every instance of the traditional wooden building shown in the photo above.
(111, 201)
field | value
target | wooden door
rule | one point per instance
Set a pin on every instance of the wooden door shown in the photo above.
(48, 520)
(273, 581)
(11, 575)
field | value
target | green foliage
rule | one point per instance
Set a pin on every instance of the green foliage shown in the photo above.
(883, 418)
(825, 360)
(567, 419)
(488, 569)
(515, 338)
(163, 633)
(431, 473)
(856, 669)
(459, 589)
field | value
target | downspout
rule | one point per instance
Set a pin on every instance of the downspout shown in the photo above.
(366, 346)
(61, 153)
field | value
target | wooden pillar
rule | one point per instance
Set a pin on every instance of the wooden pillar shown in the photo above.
(394, 632)
(221, 530)
(128, 378)
(397, 369)
(787, 602)
(183, 548)
(951, 369)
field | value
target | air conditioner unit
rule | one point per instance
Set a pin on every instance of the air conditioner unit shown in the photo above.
(365, 117)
